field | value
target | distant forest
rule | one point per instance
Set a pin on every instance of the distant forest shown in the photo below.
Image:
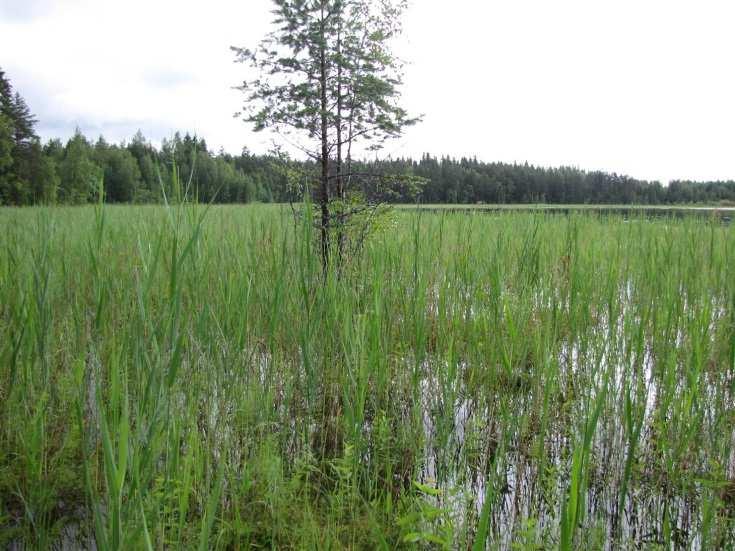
(32, 172)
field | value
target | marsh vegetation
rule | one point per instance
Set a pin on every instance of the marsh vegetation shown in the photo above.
(174, 377)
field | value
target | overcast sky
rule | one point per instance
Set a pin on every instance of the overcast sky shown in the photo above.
(642, 87)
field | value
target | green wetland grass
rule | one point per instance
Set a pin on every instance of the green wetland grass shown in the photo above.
(186, 377)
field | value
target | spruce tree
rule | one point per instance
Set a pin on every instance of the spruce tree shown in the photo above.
(20, 151)
(6, 95)
(7, 143)
(24, 122)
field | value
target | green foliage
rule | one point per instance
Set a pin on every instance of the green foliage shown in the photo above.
(7, 178)
(80, 175)
(424, 523)
(44, 177)
(122, 176)
(6, 144)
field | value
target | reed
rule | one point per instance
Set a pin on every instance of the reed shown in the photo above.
(186, 377)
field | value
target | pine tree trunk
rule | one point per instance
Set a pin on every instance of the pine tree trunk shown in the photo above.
(340, 175)
(324, 196)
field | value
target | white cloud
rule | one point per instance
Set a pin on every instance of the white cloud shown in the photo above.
(108, 66)
(643, 87)
(16, 10)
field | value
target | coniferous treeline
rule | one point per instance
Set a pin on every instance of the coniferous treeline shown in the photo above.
(71, 172)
